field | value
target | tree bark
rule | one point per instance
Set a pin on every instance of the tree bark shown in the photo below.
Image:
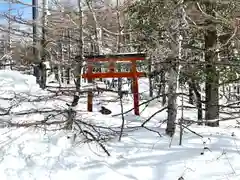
(163, 87)
(172, 102)
(174, 71)
(43, 75)
(80, 49)
(34, 30)
(119, 44)
(212, 77)
(195, 88)
(150, 78)
(68, 70)
(191, 95)
(62, 74)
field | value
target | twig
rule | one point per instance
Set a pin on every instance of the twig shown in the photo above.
(100, 144)
(148, 119)
(123, 120)
(191, 130)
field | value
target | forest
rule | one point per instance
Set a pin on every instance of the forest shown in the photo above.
(191, 67)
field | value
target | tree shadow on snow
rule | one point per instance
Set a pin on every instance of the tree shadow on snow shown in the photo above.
(146, 151)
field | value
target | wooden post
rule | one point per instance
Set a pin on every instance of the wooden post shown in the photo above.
(111, 66)
(135, 88)
(111, 70)
(90, 93)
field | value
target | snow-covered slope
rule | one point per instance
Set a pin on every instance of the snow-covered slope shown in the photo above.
(17, 82)
(35, 154)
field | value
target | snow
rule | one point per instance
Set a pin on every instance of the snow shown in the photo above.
(39, 154)
(15, 81)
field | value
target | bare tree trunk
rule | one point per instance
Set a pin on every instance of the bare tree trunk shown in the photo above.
(212, 77)
(43, 75)
(119, 44)
(60, 67)
(62, 73)
(191, 95)
(43, 44)
(9, 37)
(195, 88)
(68, 69)
(150, 78)
(68, 74)
(80, 49)
(97, 29)
(175, 69)
(163, 87)
(172, 104)
(36, 73)
(34, 17)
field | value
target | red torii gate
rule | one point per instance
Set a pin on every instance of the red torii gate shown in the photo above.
(113, 59)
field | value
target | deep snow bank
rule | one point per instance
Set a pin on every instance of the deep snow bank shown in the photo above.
(17, 82)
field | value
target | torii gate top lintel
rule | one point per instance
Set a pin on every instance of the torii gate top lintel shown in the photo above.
(117, 57)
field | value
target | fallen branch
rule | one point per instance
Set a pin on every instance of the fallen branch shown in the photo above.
(95, 139)
(154, 114)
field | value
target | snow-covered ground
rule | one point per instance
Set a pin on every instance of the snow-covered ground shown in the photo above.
(39, 154)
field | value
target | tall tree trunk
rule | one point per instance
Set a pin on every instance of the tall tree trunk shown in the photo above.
(43, 44)
(80, 49)
(34, 17)
(119, 44)
(212, 77)
(175, 69)
(97, 35)
(9, 57)
(61, 67)
(172, 102)
(68, 69)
